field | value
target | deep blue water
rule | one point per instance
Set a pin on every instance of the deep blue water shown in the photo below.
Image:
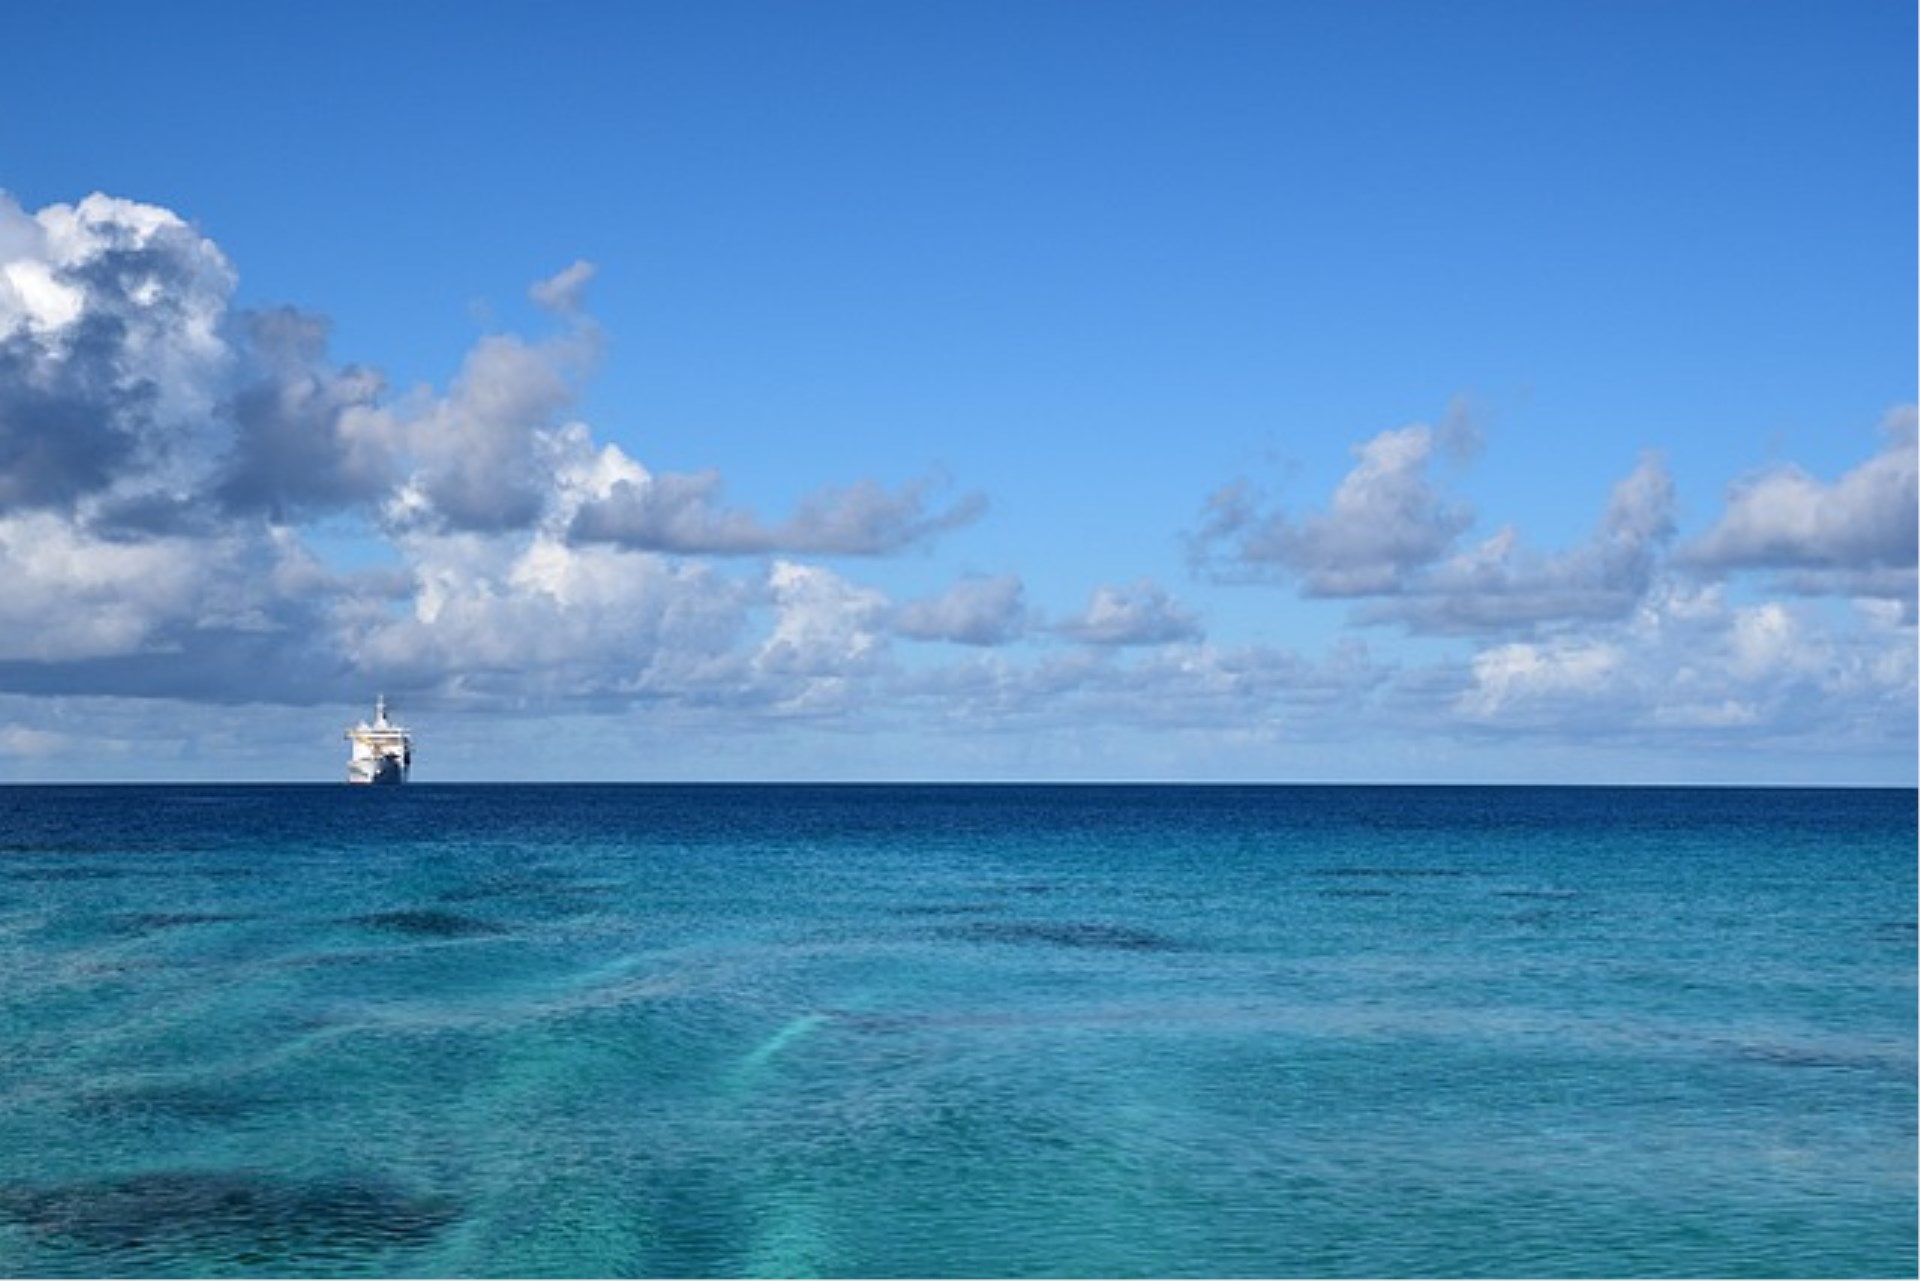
(901, 1031)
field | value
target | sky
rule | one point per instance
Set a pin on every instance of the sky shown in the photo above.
(1496, 391)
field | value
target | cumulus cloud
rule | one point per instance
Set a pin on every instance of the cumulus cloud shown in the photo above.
(480, 451)
(1389, 538)
(497, 623)
(159, 450)
(1498, 585)
(1859, 535)
(1385, 521)
(685, 514)
(1620, 638)
(1142, 614)
(978, 610)
(229, 616)
(826, 633)
(60, 438)
(1691, 666)
(1527, 673)
(165, 458)
(110, 350)
(309, 438)
(127, 378)
(70, 597)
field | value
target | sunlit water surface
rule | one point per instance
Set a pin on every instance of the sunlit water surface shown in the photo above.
(975, 1030)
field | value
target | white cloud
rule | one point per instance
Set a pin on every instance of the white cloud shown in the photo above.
(1385, 521)
(1497, 586)
(70, 597)
(1520, 673)
(1388, 537)
(1767, 639)
(683, 514)
(1143, 614)
(1691, 668)
(1218, 694)
(242, 614)
(167, 460)
(111, 355)
(139, 262)
(974, 611)
(669, 513)
(543, 623)
(308, 438)
(32, 295)
(25, 741)
(482, 450)
(1841, 534)
(826, 633)
(563, 291)
(1728, 713)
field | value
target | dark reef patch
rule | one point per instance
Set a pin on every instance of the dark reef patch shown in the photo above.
(1393, 873)
(1796, 1056)
(237, 1216)
(30, 872)
(428, 923)
(1540, 916)
(551, 894)
(946, 909)
(153, 922)
(1070, 934)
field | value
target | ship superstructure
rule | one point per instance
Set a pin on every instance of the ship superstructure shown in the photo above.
(382, 751)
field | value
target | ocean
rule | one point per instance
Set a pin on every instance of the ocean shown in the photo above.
(957, 1031)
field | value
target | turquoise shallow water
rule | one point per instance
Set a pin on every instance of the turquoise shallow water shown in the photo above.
(956, 1031)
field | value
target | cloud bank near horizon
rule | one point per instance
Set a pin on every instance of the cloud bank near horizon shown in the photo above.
(177, 475)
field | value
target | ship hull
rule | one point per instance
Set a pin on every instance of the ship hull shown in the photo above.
(386, 774)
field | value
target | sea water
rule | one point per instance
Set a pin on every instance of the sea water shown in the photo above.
(924, 1031)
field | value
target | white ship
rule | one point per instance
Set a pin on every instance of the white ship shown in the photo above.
(382, 751)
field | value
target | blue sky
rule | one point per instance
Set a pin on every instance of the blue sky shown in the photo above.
(1373, 392)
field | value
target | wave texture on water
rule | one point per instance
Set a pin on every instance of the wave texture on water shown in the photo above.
(935, 1031)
